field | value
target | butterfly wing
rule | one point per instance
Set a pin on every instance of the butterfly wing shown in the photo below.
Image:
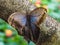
(17, 20)
(37, 16)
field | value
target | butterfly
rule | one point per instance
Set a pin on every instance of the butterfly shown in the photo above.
(28, 24)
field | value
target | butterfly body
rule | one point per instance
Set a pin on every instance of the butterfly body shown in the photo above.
(26, 24)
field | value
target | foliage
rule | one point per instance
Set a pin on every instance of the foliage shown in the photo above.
(9, 35)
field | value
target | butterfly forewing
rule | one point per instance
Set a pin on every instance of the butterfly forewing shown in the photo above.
(18, 21)
(37, 14)
(19, 18)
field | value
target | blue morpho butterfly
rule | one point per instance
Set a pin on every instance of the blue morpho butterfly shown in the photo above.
(27, 24)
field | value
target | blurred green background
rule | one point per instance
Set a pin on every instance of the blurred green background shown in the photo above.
(9, 35)
(53, 7)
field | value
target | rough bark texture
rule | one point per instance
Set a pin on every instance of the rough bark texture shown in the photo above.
(50, 26)
(7, 7)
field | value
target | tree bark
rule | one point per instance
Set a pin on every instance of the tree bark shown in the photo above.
(7, 7)
(51, 28)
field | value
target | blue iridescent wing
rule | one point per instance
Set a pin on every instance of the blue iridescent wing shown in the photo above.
(18, 17)
(18, 21)
(36, 17)
(37, 14)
